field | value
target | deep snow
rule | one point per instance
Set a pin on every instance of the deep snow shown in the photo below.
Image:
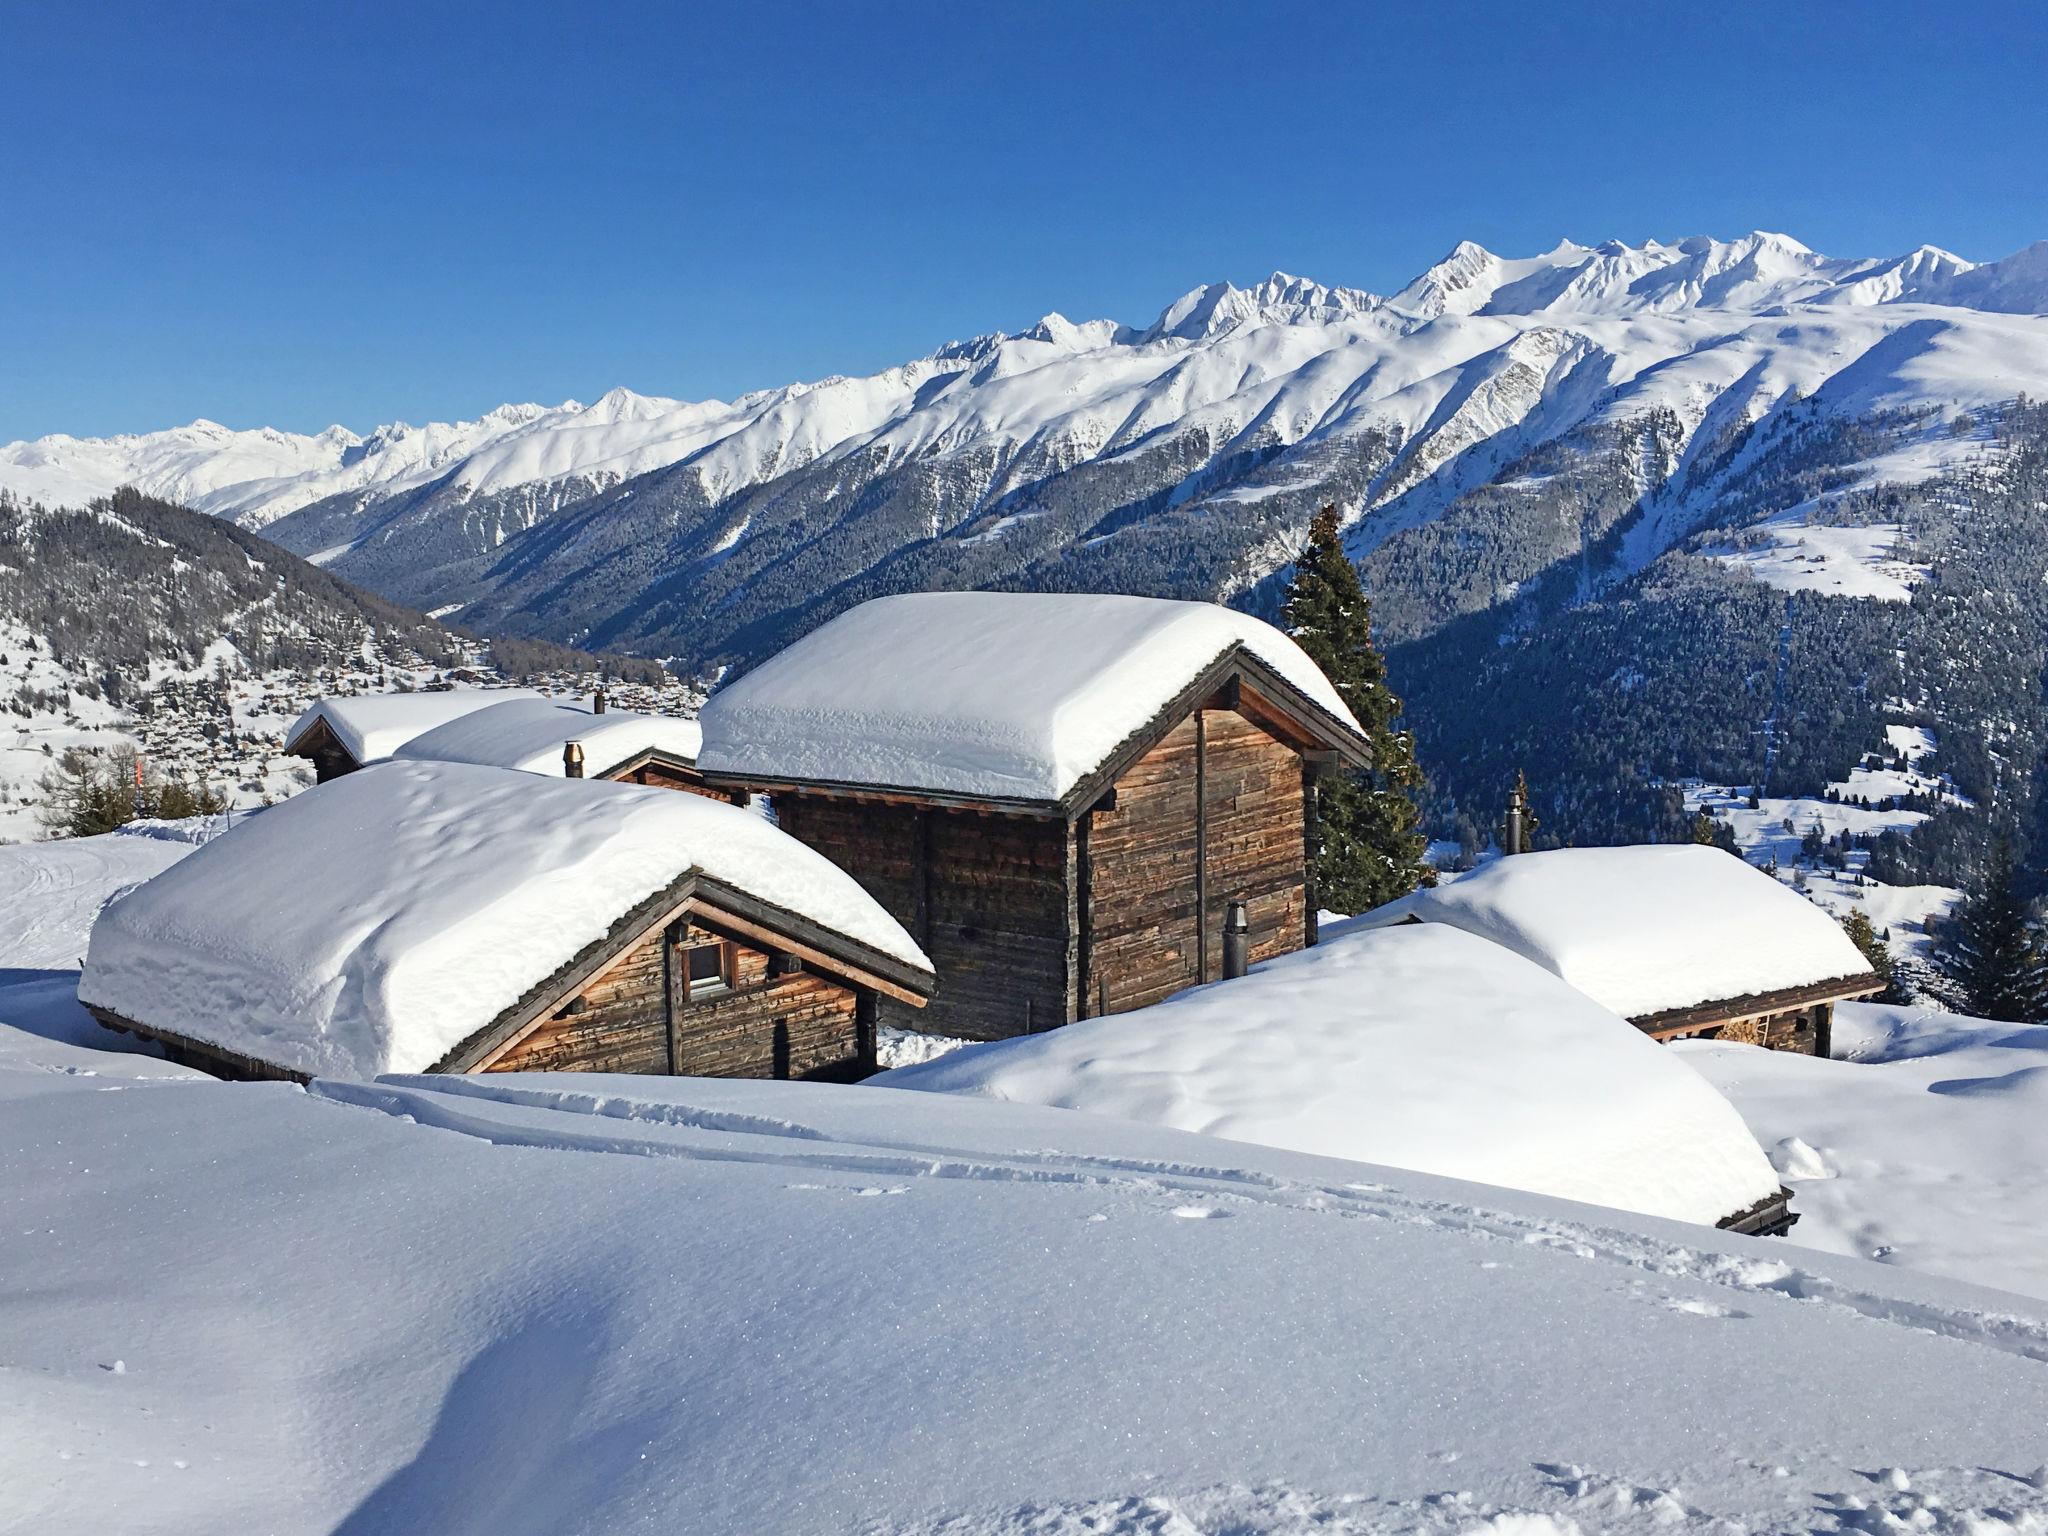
(372, 726)
(1418, 1047)
(542, 1306)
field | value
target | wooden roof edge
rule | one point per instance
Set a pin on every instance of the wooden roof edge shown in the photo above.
(251, 1066)
(1771, 1216)
(858, 962)
(299, 745)
(549, 993)
(895, 794)
(1238, 660)
(659, 756)
(1755, 1004)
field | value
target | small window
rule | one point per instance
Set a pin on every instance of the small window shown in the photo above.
(710, 968)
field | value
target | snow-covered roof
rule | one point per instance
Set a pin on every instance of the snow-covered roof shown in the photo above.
(528, 734)
(1001, 694)
(373, 924)
(1643, 929)
(1417, 1047)
(372, 726)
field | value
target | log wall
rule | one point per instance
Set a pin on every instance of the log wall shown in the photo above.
(666, 776)
(1237, 823)
(797, 1025)
(989, 897)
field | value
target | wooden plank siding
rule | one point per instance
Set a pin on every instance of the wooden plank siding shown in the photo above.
(794, 1025)
(1033, 922)
(1243, 837)
(988, 897)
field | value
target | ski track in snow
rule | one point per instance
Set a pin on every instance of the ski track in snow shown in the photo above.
(545, 1118)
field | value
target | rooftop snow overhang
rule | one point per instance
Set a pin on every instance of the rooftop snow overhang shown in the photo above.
(1237, 680)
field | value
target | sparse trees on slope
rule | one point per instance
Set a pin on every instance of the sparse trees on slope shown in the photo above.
(1372, 850)
(1994, 953)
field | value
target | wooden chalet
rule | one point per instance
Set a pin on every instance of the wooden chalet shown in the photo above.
(469, 919)
(1061, 797)
(341, 734)
(500, 728)
(1685, 942)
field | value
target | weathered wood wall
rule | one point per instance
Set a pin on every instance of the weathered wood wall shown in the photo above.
(667, 776)
(797, 1025)
(1238, 820)
(988, 897)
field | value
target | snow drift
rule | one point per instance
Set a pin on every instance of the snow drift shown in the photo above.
(1418, 1047)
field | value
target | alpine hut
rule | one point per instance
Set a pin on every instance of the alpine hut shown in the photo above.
(1684, 941)
(341, 734)
(442, 917)
(1060, 796)
(569, 740)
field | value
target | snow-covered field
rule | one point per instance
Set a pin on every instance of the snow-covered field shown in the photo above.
(536, 1305)
(1925, 1148)
(1793, 555)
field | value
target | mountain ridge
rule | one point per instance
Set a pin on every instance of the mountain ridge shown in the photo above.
(260, 474)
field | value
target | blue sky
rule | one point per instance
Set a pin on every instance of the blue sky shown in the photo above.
(290, 215)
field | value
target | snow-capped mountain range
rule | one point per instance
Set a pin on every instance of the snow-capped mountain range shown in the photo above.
(1181, 456)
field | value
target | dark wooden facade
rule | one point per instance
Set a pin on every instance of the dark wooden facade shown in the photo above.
(789, 1000)
(1036, 914)
(324, 750)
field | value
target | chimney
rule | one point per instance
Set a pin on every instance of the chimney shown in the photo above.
(1515, 838)
(572, 759)
(598, 702)
(1237, 940)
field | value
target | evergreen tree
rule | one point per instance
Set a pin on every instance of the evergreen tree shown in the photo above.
(1710, 831)
(1994, 954)
(1372, 850)
(1874, 949)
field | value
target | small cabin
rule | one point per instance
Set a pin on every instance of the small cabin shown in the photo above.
(1062, 797)
(499, 728)
(1685, 942)
(341, 734)
(567, 739)
(444, 917)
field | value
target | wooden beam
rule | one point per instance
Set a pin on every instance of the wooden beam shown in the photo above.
(720, 918)
(1756, 1005)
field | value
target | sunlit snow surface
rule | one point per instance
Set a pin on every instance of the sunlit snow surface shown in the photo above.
(541, 1305)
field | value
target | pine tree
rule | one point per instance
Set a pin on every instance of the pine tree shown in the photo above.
(1371, 848)
(1874, 949)
(1994, 954)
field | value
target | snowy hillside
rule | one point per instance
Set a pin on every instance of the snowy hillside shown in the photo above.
(537, 1306)
(137, 626)
(1180, 457)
